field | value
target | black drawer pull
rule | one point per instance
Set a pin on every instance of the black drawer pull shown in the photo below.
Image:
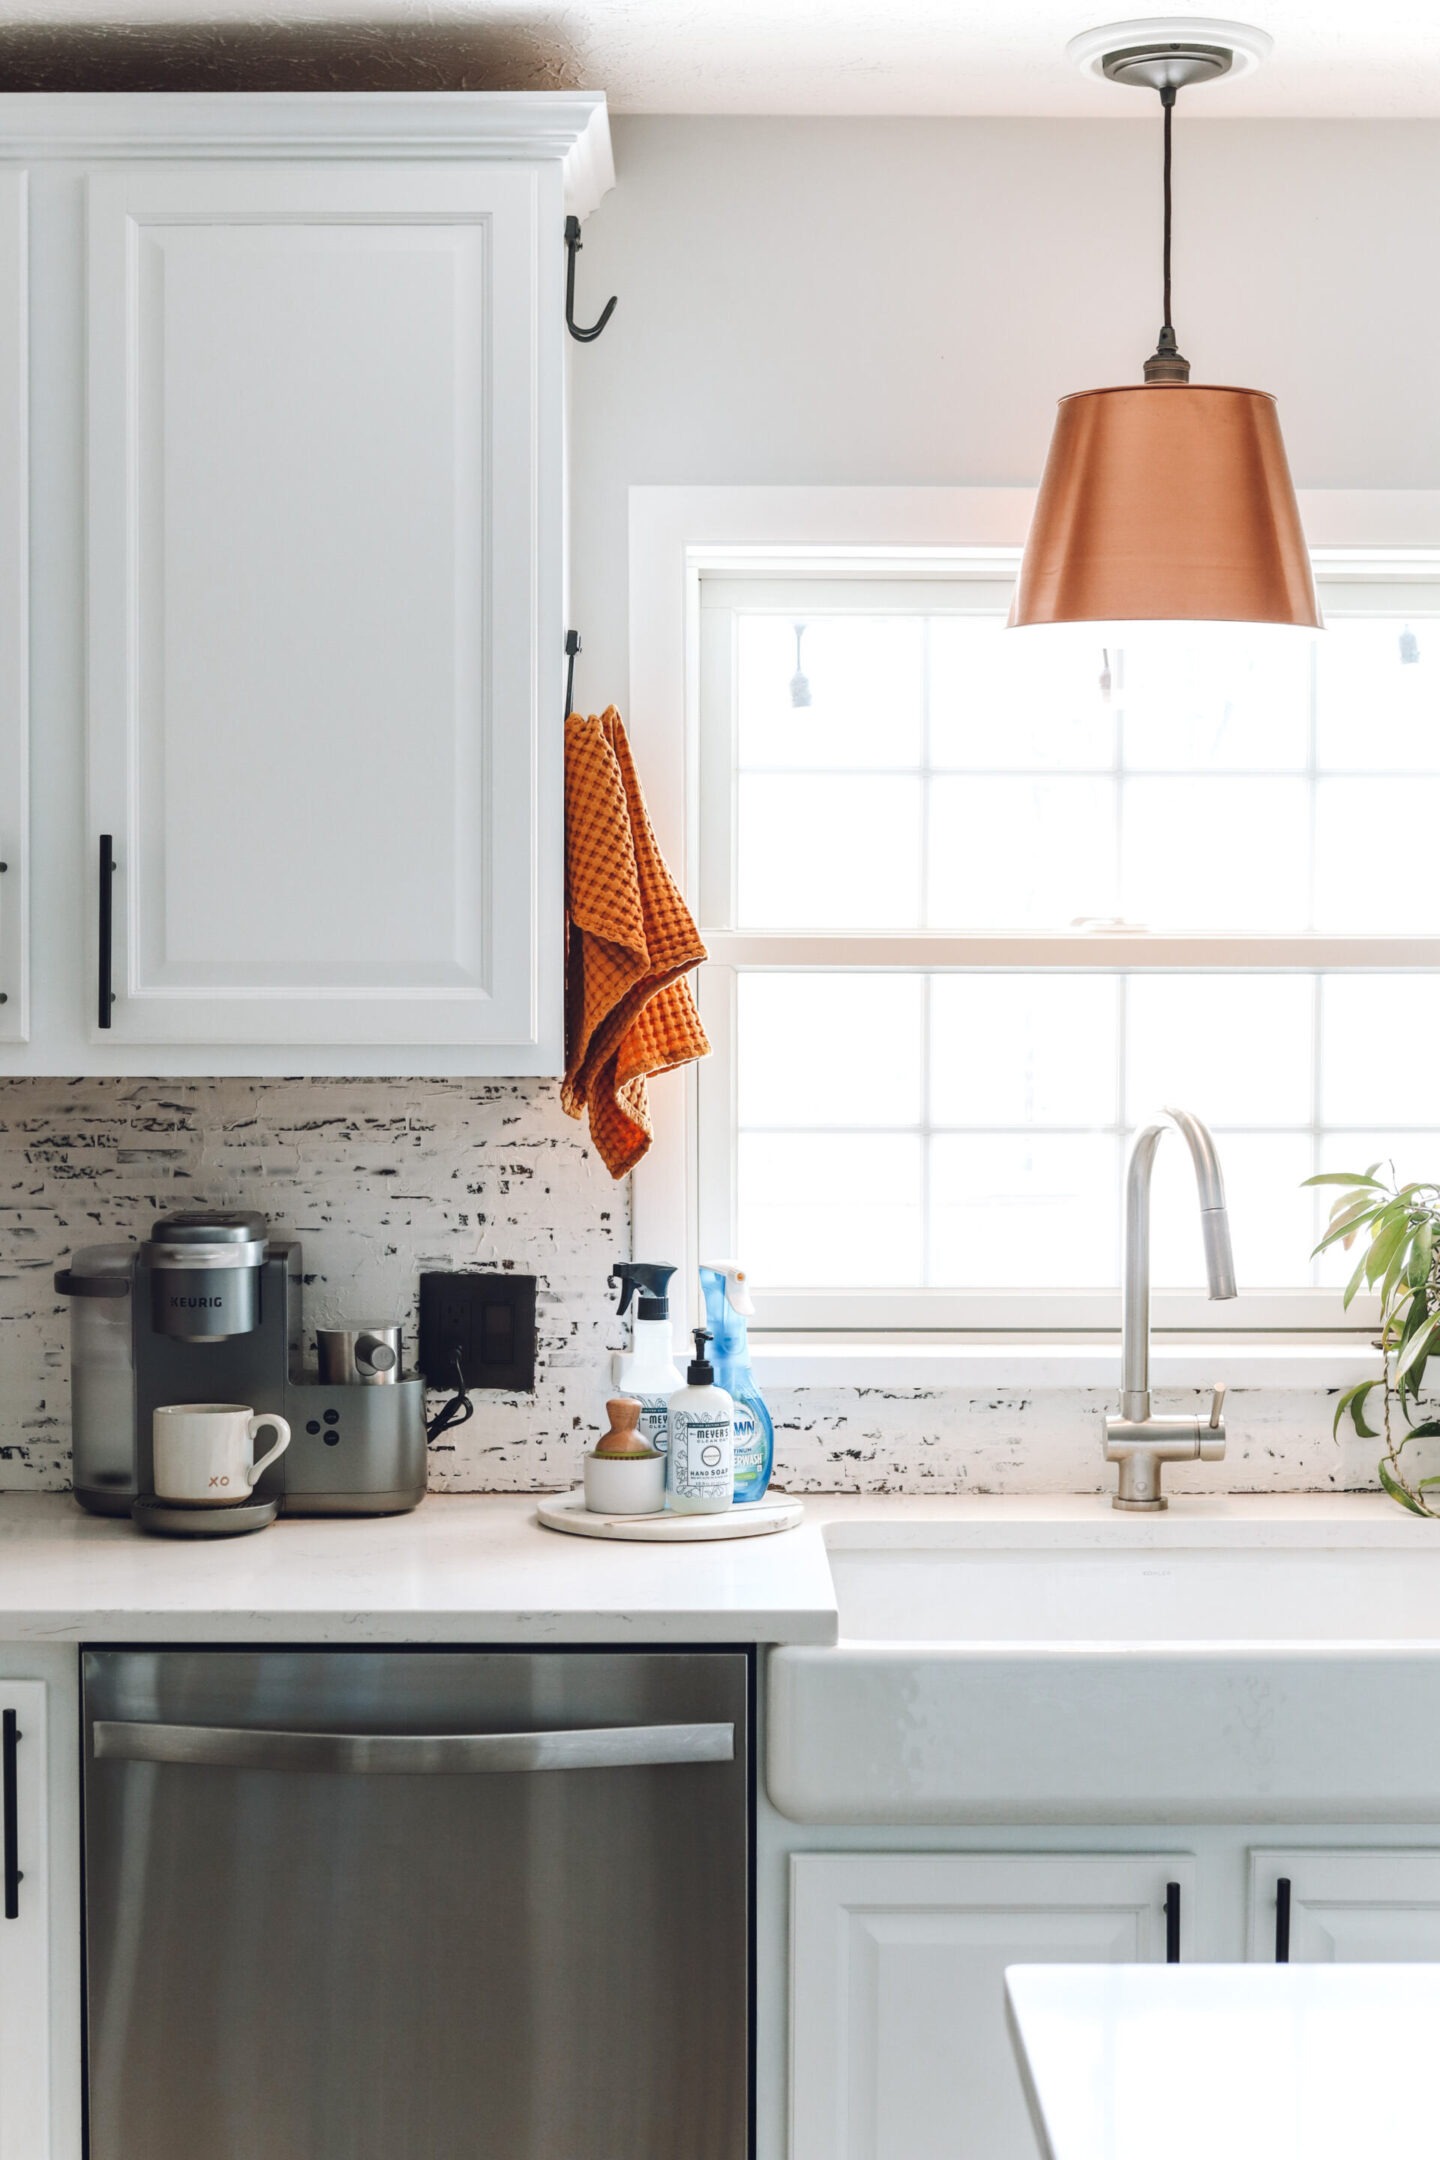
(1282, 1920)
(107, 925)
(9, 1742)
(1172, 1923)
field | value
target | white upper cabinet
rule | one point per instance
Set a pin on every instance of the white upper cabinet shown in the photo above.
(14, 622)
(315, 356)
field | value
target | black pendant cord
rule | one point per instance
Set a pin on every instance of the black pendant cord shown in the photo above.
(1167, 100)
(1167, 364)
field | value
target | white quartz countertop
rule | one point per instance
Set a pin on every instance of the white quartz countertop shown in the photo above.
(461, 1568)
(1295, 2062)
(479, 1568)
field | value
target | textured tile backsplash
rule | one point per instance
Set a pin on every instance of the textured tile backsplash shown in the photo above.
(1037, 1440)
(381, 1178)
(377, 1178)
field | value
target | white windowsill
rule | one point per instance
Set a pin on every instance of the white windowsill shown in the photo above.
(930, 1361)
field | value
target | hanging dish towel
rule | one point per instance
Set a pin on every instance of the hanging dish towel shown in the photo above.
(630, 942)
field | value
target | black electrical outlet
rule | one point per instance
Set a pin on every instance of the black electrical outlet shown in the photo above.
(486, 1321)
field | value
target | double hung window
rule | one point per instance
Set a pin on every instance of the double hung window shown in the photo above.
(979, 902)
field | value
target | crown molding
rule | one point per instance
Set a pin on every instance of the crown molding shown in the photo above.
(570, 127)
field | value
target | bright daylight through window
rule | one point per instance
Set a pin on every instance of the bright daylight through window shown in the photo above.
(979, 902)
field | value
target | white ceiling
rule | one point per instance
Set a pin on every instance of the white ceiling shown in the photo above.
(1332, 57)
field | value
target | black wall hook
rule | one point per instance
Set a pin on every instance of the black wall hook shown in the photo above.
(572, 646)
(573, 244)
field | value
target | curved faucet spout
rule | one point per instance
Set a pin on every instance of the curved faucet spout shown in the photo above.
(1215, 1228)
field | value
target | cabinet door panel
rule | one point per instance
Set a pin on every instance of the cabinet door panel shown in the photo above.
(1349, 1908)
(24, 1942)
(900, 2049)
(14, 618)
(314, 512)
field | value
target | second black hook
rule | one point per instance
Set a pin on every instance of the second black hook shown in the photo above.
(573, 245)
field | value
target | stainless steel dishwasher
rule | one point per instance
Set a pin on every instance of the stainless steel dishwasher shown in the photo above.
(403, 1905)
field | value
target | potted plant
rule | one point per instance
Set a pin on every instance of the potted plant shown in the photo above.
(1398, 1230)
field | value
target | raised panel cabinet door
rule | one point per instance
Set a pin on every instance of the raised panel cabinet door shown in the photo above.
(324, 404)
(24, 1924)
(14, 616)
(899, 2045)
(1368, 1907)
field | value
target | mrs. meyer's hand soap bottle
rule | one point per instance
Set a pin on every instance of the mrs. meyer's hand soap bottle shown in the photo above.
(700, 1470)
(647, 1370)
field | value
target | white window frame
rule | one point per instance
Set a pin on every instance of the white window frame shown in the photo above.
(680, 535)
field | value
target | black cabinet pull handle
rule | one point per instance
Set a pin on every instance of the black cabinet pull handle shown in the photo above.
(1172, 1923)
(1282, 1920)
(107, 913)
(9, 1741)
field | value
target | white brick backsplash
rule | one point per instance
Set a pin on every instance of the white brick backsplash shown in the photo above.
(382, 1178)
(1036, 1440)
(377, 1178)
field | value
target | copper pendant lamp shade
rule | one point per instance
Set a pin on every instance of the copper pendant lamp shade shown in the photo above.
(1166, 501)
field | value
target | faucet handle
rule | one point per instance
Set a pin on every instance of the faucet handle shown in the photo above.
(1217, 1407)
(1212, 1433)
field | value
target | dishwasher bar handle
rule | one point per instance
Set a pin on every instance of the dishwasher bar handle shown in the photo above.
(227, 1747)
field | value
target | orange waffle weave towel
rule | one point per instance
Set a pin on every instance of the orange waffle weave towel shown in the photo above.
(630, 942)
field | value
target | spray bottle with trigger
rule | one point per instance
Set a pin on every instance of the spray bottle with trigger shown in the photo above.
(648, 1370)
(727, 1307)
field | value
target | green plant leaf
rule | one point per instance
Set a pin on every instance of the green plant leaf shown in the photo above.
(1416, 1344)
(1353, 1400)
(1396, 1490)
(1416, 1313)
(1423, 1253)
(1411, 1370)
(1342, 1177)
(1398, 1296)
(1383, 1247)
(1430, 1430)
(1356, 1279)
(1345, 1226)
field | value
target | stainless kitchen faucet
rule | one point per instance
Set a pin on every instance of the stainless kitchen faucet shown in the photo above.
(1137, 1441)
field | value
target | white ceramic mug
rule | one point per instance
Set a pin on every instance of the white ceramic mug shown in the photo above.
(205, 1452)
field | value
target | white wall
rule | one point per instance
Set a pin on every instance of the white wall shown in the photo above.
(857, 301)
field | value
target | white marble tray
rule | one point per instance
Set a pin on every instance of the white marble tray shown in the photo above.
(757, 1518)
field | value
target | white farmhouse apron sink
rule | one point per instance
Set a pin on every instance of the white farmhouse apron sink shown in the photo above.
(1053, 1661)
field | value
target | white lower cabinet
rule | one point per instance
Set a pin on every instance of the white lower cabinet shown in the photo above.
(25, 1923)
(1346, 1908)
(899, 2049)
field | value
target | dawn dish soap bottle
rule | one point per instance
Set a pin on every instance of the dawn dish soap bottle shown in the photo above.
(700, 1468)
(727, 1307)
(647, 1370)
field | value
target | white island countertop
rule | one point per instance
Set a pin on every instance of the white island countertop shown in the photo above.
(461, 1568)
(1187, 2062)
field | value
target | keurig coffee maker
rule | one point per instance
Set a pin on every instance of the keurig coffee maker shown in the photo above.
(208, 1309)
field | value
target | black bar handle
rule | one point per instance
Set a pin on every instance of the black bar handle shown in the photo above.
(107, 914)
(9, 1741)
(1282, 1920)
(1172, 1923)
